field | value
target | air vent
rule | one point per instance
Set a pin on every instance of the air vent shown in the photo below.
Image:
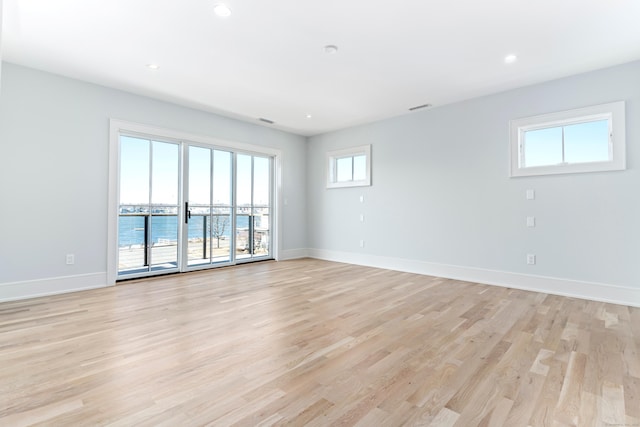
(262, 119)
(420, 106)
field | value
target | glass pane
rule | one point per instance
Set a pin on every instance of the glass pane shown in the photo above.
(131, 248)
(359, 167)
(220, 234)
(344, 169)
(198, 236)
(243, 180)
(261, 181)
(164, 176)
(587, 142)
(221, 177)
(243, 248)
(164, 238)
(543, 147)
(134, 171)
(199, 176)
(261, 232)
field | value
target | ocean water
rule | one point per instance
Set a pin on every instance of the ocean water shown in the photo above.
(165, 228)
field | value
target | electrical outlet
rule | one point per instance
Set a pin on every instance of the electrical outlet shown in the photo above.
(361, 199)
(531, 259)
(531, 194)
(531, 221)
(70, 259)
(361, 217)
(362, 243)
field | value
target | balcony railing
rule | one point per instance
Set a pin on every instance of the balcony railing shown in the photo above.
(209, 240)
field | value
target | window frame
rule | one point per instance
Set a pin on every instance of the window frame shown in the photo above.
(332, 160)
(613, 112)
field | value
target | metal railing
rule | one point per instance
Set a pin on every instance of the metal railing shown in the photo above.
(147, 240)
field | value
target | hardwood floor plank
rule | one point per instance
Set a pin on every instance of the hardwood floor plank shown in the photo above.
(632, 396)
(41, 413)
(317, 343)
(543, 412)
(612, 407)
(568, 406)
(529, 391)
(497, 416)
(445, 418)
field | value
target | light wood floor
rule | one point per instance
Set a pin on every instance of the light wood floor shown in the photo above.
(316, 343)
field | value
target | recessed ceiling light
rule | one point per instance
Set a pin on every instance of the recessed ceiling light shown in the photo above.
(308, 116)
(153, 66)
(330, 49)
(510, 59)
(222, 10)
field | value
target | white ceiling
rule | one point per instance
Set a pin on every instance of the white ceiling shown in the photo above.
(267, 59)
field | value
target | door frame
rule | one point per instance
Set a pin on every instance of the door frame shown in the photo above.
(118, 127)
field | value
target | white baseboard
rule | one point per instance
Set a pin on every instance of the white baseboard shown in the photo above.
(293, 254)
(51, 286)
(550, 285)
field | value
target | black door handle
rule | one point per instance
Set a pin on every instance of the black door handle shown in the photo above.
(187, 211)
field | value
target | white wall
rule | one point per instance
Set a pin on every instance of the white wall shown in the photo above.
(1, 9)
(54, 140)
(442, 201)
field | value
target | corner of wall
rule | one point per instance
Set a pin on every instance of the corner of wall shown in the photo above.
(293, 254)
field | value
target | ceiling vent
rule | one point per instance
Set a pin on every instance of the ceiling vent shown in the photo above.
(262, 119)
(420, 106)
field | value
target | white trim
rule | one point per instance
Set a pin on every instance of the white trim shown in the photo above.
(293, 254)
(277, 204)
(550, 285)
(571, 288)
(614, 112)
(117, 126)
(180, 136)
(331, 170)
(112, 204)
(51, 286)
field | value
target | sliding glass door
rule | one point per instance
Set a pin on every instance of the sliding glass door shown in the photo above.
(208, 206)
(185, 206)
(253, 219)
(148, 231)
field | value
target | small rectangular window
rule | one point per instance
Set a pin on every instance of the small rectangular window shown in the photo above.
(350, 167)
(584, 140)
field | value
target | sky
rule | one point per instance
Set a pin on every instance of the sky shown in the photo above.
(140, 172)
(583, 143)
